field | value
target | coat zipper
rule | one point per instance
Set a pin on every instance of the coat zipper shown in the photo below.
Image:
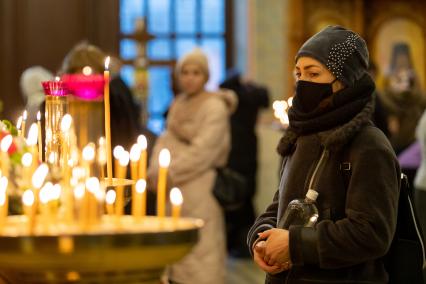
(314, 174)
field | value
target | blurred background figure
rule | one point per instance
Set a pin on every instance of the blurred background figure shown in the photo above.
(402, 98)
(32, 89)
(420, 180)
(198, 138)
(243, 157)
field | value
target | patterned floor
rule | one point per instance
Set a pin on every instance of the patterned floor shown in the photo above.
(243, 272)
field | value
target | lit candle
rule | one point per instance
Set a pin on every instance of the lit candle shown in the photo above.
(55, 196)
(24, 120)
(93, 186)
(5, 144)
(164, 161)
(66, 122)
(3, 201)
(37, 181)
(88, 157)
(123, 162)
(28, 201)
(134, 158)
(45, 197)
(140, 199)
(87, 71)
(117, 154)
(143, 143)
(32, 142)
(107, 121)
(26, 160)
(176, 200)
(19, 125)
(40, 144)
(109, 200)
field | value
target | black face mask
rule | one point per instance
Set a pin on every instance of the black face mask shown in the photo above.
(310, 94)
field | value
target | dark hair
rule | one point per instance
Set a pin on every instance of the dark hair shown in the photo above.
(81, 55)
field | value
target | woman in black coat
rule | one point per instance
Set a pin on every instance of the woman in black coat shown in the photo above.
(333, 148)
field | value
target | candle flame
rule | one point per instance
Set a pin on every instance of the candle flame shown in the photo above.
(107, 61)
(28, 197)
(176, 196)
(93, 184)
(110, 197)
(101, 141)
(89, 152)
(164, 158)
(32, 135)
(87, 70)
(45, 194)
(19, 122)
(6, 142)
(124, 159)
(52, 157)
(66, 123)
(40, 175)
(143, 143)
(135, 153)
(56, 191)
(117, 151)
(25, 115)
(27, 159)
(141, 186)
(57, 78)
(38, 115)
(79, 191)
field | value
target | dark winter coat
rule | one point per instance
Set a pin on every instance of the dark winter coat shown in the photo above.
(357, 222)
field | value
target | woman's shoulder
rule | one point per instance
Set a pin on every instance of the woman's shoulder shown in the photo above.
(225, 98)
(371, 138)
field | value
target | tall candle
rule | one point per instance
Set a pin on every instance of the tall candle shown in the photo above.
(164, 161)
(32, 142)
(88, 157)
(19, 125)
(134, 158)
(118, 150)
(45, 197)
(26, 160)
(176, 200)
(93, 186)
(107, 121)
(37, 181)
(143, 143)
(140, 199)
(40, 144)
(101, 156)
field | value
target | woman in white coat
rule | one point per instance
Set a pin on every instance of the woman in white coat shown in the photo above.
(198, 138)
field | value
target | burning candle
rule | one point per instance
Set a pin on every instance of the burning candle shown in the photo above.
(123, 162)
(28, 201)
(107, 121)
(140, 199)
(88, 157)
(93, 186)
(26, 160)
(164, 161)
(45, 197)
(3, 201)
(5, 144)
(37, 181)
(24, 120)
(109, 200)
(143, 143)
(101, 155)
(117, 154)
(134, 158)
(32, 142)
(40, 144)
(176, 200)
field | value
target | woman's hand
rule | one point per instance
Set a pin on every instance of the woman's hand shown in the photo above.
(276, 250)
(259, 253)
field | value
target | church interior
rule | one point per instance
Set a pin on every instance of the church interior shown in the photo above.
(251, 47)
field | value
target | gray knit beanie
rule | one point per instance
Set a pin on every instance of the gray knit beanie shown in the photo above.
(342, 51)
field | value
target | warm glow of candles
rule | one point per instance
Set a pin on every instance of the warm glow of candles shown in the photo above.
(164, 161)
(176, 199)
(134, 158)
(66, 122)
(107, 120)
(101, 156)
(93, 187)
(45, 196)
(28, 197)
(88, 157)
(26, 160)
(40, 144)
(109, 200)
(139, 200)
(32, 135)
(143, 144)
(28, 202)
(117, 154)
(6, 142)
(19, 125)
(39, 176)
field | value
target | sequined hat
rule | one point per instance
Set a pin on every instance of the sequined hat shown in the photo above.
(342, 51)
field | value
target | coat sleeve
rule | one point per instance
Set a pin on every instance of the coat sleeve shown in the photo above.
(371, 213)
(202, 152)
